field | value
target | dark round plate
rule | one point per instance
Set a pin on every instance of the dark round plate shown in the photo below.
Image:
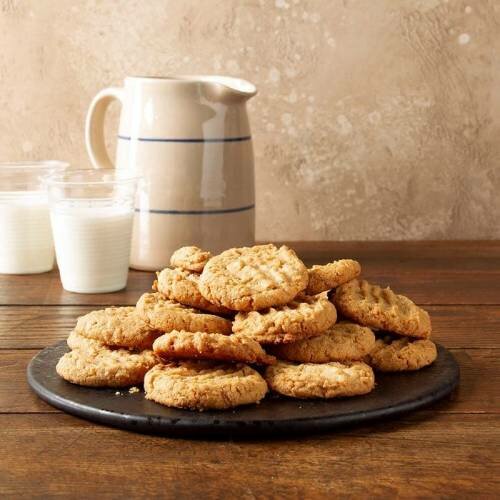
(394, 394)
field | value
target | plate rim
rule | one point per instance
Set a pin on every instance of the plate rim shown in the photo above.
(173, 426)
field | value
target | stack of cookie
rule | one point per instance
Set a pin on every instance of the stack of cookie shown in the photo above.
(204, 365)
(209, 318)
(403, 329)
(109, 348)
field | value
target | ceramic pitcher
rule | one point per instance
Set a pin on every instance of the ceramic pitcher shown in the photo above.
(189, 139)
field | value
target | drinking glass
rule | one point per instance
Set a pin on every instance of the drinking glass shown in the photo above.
(92, 213)
(26, 245)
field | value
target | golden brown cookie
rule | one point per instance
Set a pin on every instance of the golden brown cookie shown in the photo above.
(302, 318)
(391, 354)
(201, 345)
(344, 341)
(182, 286)
(381, 308)
(328, 276)
(204, 385)
(327, 380)
(167, 315)
(77, 341)
(253, 278)
(105, 367)
(190, 258)
(117, 326)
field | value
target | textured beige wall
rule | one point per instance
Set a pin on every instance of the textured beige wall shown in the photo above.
(376, 119)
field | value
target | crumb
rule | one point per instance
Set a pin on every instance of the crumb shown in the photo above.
(133, 390)
(118, 393)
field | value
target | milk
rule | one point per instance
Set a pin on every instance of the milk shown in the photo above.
(92, 246)
(26, 244)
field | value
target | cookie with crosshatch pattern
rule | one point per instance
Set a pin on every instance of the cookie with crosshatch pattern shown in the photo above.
(301, 318)
(253, 278)
(396, 354)
(381, 308)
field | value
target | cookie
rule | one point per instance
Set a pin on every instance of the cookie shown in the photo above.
(301, 318)
(344, 341)
(327, 380)
(117, 326)
(190, 259)
(381, 308)
(328, 276)
(253, 278)
(204, 385)
(391, 354)
(105, 367)
(201, 345)
(167, 315)
(182, 286)
(77, 341)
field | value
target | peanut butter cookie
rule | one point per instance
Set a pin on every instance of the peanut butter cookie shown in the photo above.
(344, 341)
(302, 318)
(392, 354)
(77, 341)
(323, 278)
(201, 345)
(204, 385)
(190, 259)
(381, 308)
(253, 278)
(105, 367)
(182, 286)
(167, 315)
(117, 326)
(327, 380)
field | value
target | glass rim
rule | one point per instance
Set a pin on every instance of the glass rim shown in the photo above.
(35, 164)
(56, 179)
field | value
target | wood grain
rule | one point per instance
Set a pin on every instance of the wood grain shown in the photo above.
(447, 450)
(32, 327)
(429, 272)
(417, 456)
(478, 391)
(15, 394)
(46, 289)
(460, 255)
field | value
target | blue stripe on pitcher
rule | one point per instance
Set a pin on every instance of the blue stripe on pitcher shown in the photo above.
(197, 212)
(201, 139)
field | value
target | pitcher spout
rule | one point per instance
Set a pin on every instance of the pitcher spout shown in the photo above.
(228, 89)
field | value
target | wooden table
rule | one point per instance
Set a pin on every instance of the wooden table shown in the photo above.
(450, 449)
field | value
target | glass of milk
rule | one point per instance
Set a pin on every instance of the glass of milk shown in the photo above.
(92, 213)
(26, 245)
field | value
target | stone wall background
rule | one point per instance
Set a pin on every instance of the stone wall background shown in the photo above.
(375, 119)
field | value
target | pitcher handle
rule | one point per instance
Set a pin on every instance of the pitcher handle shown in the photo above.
(94, 126)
